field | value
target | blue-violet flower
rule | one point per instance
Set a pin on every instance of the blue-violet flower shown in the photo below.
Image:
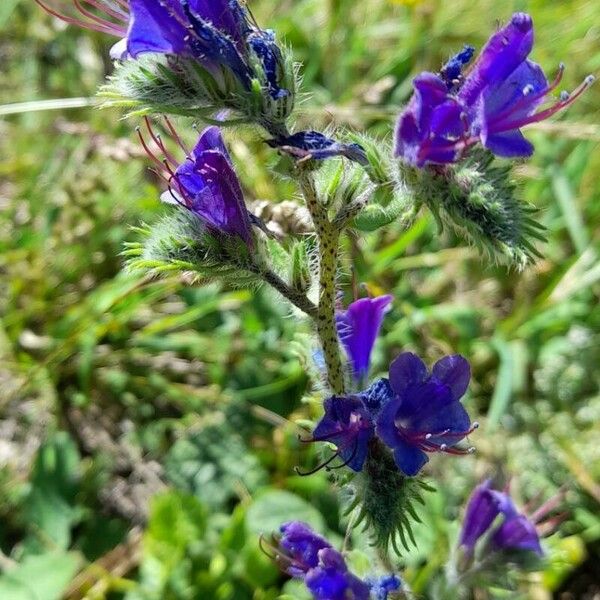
(425, 413)
(492, 512)
(213, 32)
(348, 424)
(450, 112)
(205, 183)
(303, 554)
(358, 327)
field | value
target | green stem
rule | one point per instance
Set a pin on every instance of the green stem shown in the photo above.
(297, 298)
(328, 238)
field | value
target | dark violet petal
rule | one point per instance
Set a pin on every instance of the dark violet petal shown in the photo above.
(503, 53)
(386, 427)
(354, 456)
(212, 191)
(510, 144)
(406, 370)
(347, 424)
(326, 584)
(409, 459)
(516, 97)
(517, 533)
(453, 417)
(447, 121)
(331, 580)
(504, 503)
(302, 546)
(481, 512)
(358, 327)
(455, 372)
(220, 15)
(424, 400)
(430, 92)
(156, 27)
(211, 139)
(438, 151)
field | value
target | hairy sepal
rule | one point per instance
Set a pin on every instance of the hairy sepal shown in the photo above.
(180, 243)
(477, 199)
(385, 501)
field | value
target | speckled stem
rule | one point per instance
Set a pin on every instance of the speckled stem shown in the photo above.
(328, 236)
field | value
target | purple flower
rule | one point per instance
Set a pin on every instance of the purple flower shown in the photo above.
(301, 553)
(358, 327)
(425, 414)
(213, 32)
(300, 546)
(501, 94)
(313, 145)
(205, 183)
(348, 424)
(494, 512)
(331, 580)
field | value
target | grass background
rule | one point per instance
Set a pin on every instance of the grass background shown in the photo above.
(116, 389)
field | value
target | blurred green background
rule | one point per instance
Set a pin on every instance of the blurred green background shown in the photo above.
(117, 389)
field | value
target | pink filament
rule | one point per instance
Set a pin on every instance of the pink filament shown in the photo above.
(91, 21)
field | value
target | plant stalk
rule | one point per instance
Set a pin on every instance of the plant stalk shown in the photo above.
(328, 239)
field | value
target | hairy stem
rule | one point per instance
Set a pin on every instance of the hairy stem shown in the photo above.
(328, 238)
(298, 299)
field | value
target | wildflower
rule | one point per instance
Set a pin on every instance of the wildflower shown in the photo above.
(502, 93)
(301, 553)
(205, 183)
(313, 145)
(300, 545)
(425, 413)
(216, 33)
(348, 424)
(358, 327)
(515, 531)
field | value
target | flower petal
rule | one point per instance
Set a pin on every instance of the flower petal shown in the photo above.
(509, 144)
(407, 370)
(156, 27)
(455, 372)
(452, 418)
(503, 53)
(517, 533)
(481, 512)
(358, 327)
(409, 459)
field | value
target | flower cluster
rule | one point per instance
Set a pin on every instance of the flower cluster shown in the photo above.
(303, 554)
(414, 412)
(493, 518)
(449, 112)
(215, 33)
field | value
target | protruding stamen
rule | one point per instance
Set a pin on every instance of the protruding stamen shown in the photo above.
(92, 21)
(544, 114)
(318, 467)
(176, 136)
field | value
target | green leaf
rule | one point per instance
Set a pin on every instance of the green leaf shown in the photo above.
(50, 508)
(43, 577)
(275, 507)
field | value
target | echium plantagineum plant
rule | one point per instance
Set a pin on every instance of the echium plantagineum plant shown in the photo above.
(211, 61)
